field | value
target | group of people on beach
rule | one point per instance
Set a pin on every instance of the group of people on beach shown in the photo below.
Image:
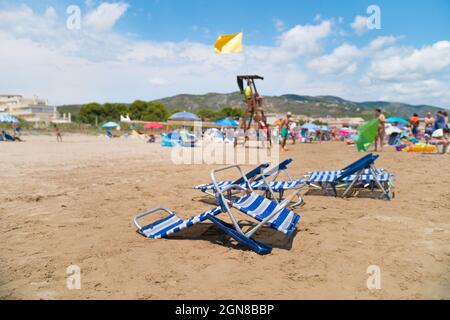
(436, 127)
(15, 136)
(17, 131)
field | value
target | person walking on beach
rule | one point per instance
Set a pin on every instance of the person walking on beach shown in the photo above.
(292, 131)
(445, 114)
(429, 123)
(381, 129)
(415, 122)
(440, 122)
(319, 134)
(284, 129)
(58, 133)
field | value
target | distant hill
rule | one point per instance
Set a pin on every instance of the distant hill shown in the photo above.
(319, 106)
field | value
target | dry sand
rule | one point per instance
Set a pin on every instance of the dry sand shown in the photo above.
(72, 203)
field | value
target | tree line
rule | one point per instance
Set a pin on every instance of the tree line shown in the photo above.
(93, 113)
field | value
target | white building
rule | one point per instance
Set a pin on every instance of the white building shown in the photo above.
(31, 109)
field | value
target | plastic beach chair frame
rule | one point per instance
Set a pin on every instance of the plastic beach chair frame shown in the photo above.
(357, 168)
(247, 179)
(146, 213)
(223, 201)
(275, 173)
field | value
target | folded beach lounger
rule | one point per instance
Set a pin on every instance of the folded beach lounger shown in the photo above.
(259, 180)
(269, 181)
(249, 177)
(360, 174)
(275, 215)
(170, 224)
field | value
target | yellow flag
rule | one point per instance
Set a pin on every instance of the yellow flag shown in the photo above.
(229, 43)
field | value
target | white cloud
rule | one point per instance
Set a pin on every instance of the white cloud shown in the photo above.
(302, 39)
(50, 13)
(158, 82)
(345, 58)
(89, 3)
(342, 60)
(430, 91)
(105, 16)
(359, 25)
(22, 21)
(411, 64)
(381, 42)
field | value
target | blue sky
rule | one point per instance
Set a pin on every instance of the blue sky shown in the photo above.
(150, 49)
(419, 21)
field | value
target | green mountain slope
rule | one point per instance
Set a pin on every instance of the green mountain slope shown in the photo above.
(319, 106)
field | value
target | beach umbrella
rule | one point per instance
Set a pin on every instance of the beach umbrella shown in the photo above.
(396, 120)
(227, 122)
(325, 128)
(153, 125)
(184, 116)
(178, 138)
(310, 126)
(9, 119)
(109, 125)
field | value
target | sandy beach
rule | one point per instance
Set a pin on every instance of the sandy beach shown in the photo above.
(72, 203)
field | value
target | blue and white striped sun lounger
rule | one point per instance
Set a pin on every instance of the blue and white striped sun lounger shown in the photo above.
(329, 176)
(266, 212)
(170, 224)
(260, 208)
(259, 180)
(360, 174)
(274, 214)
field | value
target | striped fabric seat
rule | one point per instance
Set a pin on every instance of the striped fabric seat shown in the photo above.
(172, 224)
(256, 185)
(332, 176)
(260, 208)
(221, 184)
(277, 185)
